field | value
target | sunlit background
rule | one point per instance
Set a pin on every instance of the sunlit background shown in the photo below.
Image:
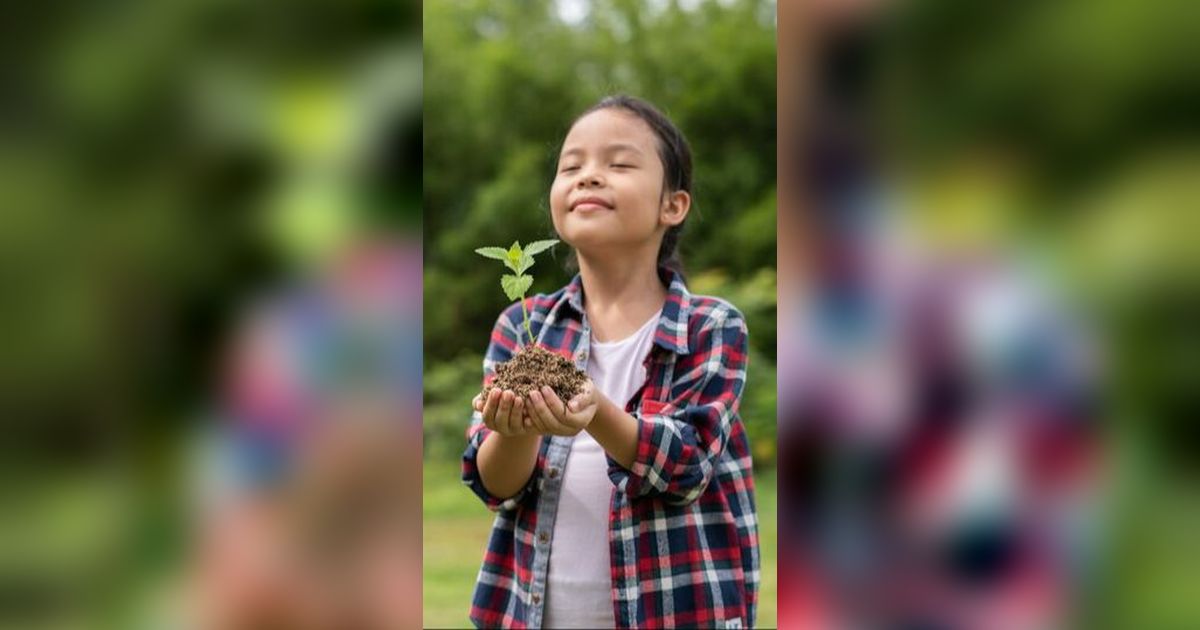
(167, 169)
(503, 82)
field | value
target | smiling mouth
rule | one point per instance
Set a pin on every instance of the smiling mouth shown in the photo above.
(590, 205)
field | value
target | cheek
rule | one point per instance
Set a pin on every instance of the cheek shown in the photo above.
(646, 195)
(558, 196)
(558, 205)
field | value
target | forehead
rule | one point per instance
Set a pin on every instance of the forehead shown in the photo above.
(610, 126)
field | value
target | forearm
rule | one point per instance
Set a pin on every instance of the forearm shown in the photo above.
(506, 463)
(615, 430)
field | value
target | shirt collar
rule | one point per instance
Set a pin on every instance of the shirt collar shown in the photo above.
(672, 323)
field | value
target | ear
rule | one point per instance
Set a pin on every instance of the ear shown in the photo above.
(675, 208)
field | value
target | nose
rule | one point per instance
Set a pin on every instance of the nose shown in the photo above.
(589, 179)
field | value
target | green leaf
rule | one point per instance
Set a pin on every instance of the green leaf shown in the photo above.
(497, 253)
(524, 282)
(512, 257)
(515, 286)
(525, 263)
(538, 247)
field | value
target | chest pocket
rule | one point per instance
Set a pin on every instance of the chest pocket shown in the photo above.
(655, 394)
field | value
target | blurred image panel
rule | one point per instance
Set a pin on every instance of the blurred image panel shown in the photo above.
(211, 313)
(988, 294)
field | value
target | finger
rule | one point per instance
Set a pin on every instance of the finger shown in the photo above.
(535, 415)
(497, 413)
(489, 408)
(502, 414)
(583, 399)
(554, 403)
(545, 415)
(477, 402)
(513, 421)
(517, 417)
(492, 405)
(583, 416)
(539, 409)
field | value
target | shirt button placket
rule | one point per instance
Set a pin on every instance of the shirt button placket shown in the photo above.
(585, 340)
(543, 539)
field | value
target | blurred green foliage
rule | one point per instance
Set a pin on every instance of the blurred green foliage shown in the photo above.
(163, 161)
(503, 83)
(1066, 133)
(156, 160)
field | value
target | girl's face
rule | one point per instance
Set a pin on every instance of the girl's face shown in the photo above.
(608, 193)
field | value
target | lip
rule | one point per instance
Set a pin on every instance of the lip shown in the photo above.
(590, 204)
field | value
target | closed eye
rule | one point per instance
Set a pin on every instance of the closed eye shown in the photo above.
(569, 169)
(623, 166)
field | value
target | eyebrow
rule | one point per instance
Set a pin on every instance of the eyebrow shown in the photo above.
(609, 148)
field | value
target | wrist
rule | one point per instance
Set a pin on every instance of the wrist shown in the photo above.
(604, 412)
(615, 430)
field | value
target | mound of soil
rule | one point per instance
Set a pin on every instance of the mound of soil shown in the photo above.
(532, 367)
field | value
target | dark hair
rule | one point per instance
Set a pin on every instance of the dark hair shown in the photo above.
(676, 157)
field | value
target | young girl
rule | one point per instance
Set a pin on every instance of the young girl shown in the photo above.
(631, 505)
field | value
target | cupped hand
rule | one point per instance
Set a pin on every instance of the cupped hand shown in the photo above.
(504, 412)
(551, 416)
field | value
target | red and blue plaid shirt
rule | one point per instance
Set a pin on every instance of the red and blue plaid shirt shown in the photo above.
(683, 528)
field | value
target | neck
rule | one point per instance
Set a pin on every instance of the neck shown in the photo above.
(621, 291)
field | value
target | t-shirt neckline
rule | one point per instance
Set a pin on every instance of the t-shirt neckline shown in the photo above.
(636, 334)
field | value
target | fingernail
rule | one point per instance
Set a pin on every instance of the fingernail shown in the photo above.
(574, 406)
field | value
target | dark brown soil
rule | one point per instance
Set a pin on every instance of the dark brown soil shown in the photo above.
(534, 367)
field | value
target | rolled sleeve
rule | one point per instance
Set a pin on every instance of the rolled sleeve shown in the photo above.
(476, 434)
(503, 344)
(681, 441)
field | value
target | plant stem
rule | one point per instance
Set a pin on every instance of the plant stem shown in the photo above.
(525, 312)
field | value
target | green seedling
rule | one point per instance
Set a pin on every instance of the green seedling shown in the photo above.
(519, 260)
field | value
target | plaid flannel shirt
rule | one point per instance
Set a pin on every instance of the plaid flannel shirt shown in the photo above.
(907, 383)
(683, 532)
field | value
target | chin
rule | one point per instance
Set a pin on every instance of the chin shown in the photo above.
(577, 235)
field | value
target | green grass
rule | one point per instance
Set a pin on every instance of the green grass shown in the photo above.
(768, 532)
(456, 528)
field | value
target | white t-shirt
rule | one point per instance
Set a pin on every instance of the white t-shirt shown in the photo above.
(579, 580)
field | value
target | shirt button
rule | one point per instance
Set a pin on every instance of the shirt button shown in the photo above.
(553, 473)
(543, 537)
(537, 599)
